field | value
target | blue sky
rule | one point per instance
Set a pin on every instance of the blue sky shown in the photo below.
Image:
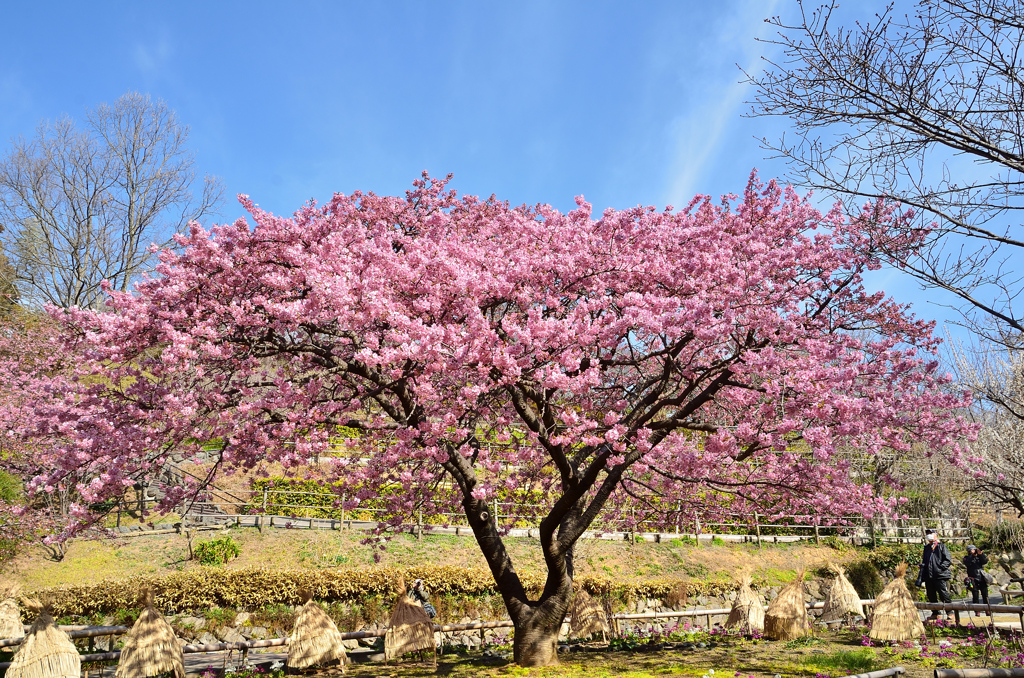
(625, 103)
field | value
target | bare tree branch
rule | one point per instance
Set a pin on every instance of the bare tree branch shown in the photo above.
(78, 207)
(891, 109)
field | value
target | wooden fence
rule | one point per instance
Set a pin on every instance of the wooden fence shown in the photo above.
(270, 508)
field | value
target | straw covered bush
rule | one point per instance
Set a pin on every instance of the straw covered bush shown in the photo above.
(150, 647)
(587, 616)
(842, 600)
(10, 613)
(46, 652)
(315, 638)
(747, 611)
(410, 628)
(895, 616)
(786, 617)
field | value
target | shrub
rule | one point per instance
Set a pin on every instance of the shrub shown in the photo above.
(204, 588)
(865, 578)
(216, 551)
(1006, 536)
(886, 558)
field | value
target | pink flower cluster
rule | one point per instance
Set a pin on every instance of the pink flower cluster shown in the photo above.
(723, 355)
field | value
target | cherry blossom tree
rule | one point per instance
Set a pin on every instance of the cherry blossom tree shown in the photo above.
(34, 361)
(674, 355)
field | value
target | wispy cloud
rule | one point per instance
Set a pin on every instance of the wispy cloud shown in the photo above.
(151, 57)
(698, 134)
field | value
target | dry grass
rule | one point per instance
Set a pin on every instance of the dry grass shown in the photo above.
(93, 561)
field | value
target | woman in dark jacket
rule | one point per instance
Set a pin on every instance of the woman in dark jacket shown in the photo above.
(974, 563)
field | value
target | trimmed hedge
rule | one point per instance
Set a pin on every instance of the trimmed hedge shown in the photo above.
(254, 589)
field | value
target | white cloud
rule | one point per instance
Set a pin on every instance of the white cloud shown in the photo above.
(151, 57)
(697, 134)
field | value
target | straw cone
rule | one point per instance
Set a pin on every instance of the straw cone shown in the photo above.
(747, 611)
(786, 617)
(315, 638)
(46, 652)
(410, 628)
(587, 617)
(842, 599)
(895, 616)
(150, 648)
(10, 615)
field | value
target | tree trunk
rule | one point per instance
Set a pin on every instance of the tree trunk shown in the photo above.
(536, 633)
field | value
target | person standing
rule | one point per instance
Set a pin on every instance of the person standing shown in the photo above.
(974, 563)
(420, 594)
(936, 571)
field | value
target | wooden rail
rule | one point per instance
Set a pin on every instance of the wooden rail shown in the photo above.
(979, 673)
(882, 673)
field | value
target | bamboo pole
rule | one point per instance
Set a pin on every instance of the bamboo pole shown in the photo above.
(883, 673)
(979, 673)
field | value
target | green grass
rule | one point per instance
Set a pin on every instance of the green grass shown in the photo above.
(854, 661)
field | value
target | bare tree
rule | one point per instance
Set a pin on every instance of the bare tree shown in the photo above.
(926, 108)
(79, 206)
(994, 371)
(9, 296)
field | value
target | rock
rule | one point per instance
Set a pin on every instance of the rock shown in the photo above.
(814, 589)
(194, 623)
(465, 620)
(562, 649)
(350, 644)
(207, 639)
(701, 646)
(231, 635)
(367, 642)
(241, 619)
(257, 633)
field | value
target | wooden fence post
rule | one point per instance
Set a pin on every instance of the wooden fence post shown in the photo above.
(817, 535)
(344, 496)
(871, 531)
(757, 529)
(419, 525)
(696, 529)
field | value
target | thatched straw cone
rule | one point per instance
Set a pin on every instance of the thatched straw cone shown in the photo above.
(10, 615)
(842, 600)
(410, 628)
(747, 611)
(895, 616)
(315, 638)
(587, 617)
(786, 617)
(46, 652)
(150, 648)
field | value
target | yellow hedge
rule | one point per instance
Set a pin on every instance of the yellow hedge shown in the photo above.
(253, 589)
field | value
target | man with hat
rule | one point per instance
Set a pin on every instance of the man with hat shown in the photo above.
(974, 563)
(936, 571)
